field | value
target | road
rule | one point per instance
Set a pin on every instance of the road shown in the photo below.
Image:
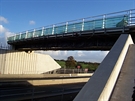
(23, 92)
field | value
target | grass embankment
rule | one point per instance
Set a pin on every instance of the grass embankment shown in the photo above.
(89, 65)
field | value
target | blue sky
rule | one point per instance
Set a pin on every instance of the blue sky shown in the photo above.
(21, 15)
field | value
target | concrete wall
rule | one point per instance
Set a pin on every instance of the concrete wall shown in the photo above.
(2, 61)
(101, 84)
(47, 61)
(15, 62)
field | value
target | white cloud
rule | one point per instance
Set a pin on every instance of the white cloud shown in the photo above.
(32, 22)
(54, 53)
(4, 33)
(64, 53)
(4, 20)
(3, 37)
(80, 53)
(2, 29)
(89, 56)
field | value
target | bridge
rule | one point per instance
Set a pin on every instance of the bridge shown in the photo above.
(92, 33)
(114, 32)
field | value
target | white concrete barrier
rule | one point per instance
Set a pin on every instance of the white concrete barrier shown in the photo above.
(41, 76)
(57, 81)
(101, 84)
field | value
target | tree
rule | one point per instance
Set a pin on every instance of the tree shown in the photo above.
(79, 66)
(70, 63)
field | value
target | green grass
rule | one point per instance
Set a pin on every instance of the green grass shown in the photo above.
(90, 66)
(61, 63)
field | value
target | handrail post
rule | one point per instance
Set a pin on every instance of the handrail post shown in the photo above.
(104, 16)
(14, 37)
(130, 17)
(42, 31)
(93, 24)
(66, 27)
(33, 33)
(26, 34)
(20, 36)
(82, 24)
(53, 29)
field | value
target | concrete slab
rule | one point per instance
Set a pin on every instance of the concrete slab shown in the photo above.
(124, 87)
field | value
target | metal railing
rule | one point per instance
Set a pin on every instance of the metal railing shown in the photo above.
(112, 20)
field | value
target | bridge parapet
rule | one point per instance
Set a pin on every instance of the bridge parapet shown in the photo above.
(112, 20)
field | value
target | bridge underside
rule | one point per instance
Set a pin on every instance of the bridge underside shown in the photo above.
(102, 39)
(73, 42)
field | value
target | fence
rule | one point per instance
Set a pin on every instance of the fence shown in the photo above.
(71, 71)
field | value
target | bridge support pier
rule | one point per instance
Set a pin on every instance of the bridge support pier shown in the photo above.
(100, 86)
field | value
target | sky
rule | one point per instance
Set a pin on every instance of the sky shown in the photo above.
(22, 15)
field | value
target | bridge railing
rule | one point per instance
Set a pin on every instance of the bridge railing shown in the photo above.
(112, 20)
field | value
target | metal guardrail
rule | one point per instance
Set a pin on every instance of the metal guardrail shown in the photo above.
(112, 20)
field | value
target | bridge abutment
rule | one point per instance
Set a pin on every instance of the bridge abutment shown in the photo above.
(20, 62)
